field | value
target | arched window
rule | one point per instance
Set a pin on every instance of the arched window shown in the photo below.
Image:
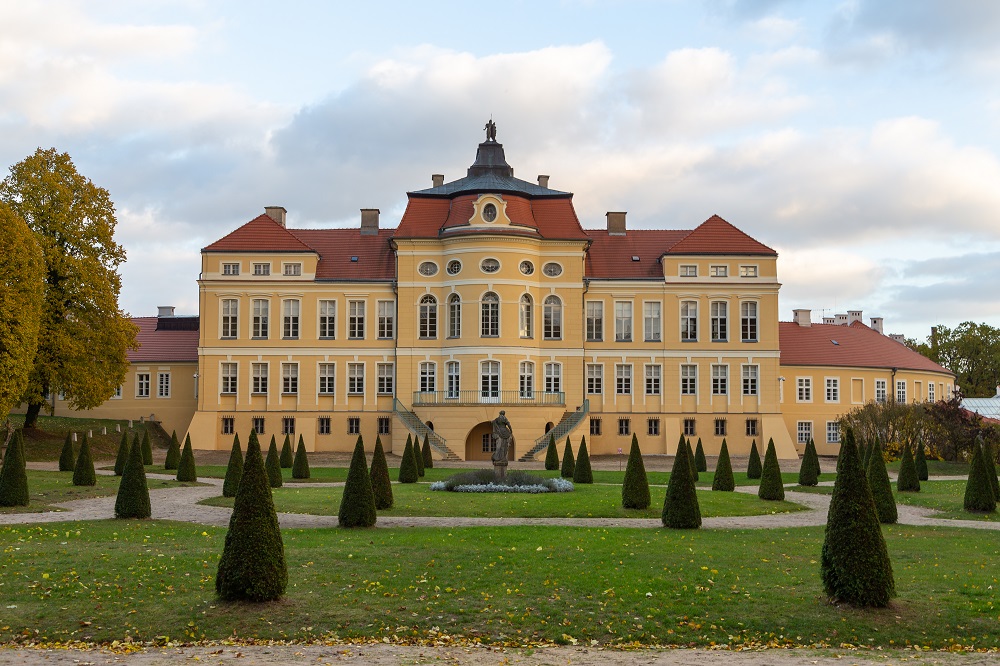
(525, 319)
(428, 327)
(490, 319)
(552, 319)
(454, 316)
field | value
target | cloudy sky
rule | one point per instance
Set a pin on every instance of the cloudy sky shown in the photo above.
(860, 138)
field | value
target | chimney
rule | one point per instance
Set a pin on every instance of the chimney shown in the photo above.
(802, 317)
(829, 320)
(853, 316)
(165, 311)
(616, 224)
(276, 213)
(437, 179)
(841, 320)
(898, 337)
(369, 221)
(543, 181)
(877, 324)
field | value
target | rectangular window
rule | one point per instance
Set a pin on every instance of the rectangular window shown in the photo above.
(526, 379)
(489, 442)
(690, 426)
(262, 269)
(291, 270)
(689, 379)
(623, 321)
(595, 426)
(651, 321)
(230, 269)
(748, 271)
(327, 378)
(720, 321)
(688, 270)
(930, 391)
(624, 426)
(287, 425)
(428, 377)
(553, 378)
(384, 425)
(595, 378)
(453, 372)
(323, 425)
(751, 376)
(720, 379)
(257, 423)
(880, 390)
(163, 385)
(356, 320)
(718, 271)
(654, 373)
(689, 321)
(290, 320)
(832, 432)
(803, 389)
(720, 427)
(142, 385)
(623, 379)
(752, 428)
(748, 321)
(118, 393)
(230, 318)
(387, 320)
(595, 321)
(353, 425)
(290, 378)
(653, 427)
(328, 320)
(832, 389)
(804, 430)
(261, 307)
(489, 379)
(901, 391)
(228, 425)
(355, 378)
(259, 378)
(386, 378)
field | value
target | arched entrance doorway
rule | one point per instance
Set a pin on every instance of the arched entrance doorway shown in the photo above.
(479, 445)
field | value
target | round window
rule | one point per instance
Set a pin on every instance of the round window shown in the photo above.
(490, 265)
(427, 268)
(552, 269)
(489, 212)
(454, 267)
(527, 267)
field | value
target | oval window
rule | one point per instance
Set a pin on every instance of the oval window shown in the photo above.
(454, 267)
(490, 265)
(527, 267)
(427, 268)
(489, 212)
(552, 269)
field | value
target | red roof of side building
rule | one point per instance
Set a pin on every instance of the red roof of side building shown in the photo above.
(336, 247)
(716, 236)
(163, 346)
(611, 256)
(261, 234)
(855, 346)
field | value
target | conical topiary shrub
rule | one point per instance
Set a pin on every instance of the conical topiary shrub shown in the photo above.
(234, 471)
(694, 466)
(300, 466)
(582, 472)
(252, 566)
(868, 450)
(273, 465)
(67, 459)
(855, 565)
(920, 460)
(989, 459)
(635, 486)
(568, 462)
(771, 487)
(699, 458)
(286, 459)
(186, 470)
(809, 467)
(878, 480)
(14, 475)
(551, 454)
(173, 458)
(133, 493)
(147, 448)
(979, 497)
(754, 468)
(428, 459)
(418, 457)
(724, 480)
(381, 485)
(408, 465)
(122, 457)
(680, 506)
(83, 472)
(357, 505)
(907, 481)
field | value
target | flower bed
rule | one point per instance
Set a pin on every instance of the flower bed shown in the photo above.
(484, 481)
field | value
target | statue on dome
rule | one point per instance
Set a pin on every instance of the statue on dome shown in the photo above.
(491, 131)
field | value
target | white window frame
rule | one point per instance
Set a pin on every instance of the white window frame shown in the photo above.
(552, 318)
(327, 319)
(261, 269)
(356, 378)
(654, 378)
(901, 391)
(833, 432)
(162, 384)
(930, 392)
(261, 309)
(623, 321)
(719, 313)
(718, 270)
(386, 313)
(832, 392)
(689, 321)
(720, 379)
(881, 390)
(453, 379)
(454, 316)
(553, 377)
(803, 389)
(526, 379)
(291, 269)
(356, 319)
(803, 432)
(385, 378)
(489, 380)
(326, 379)
(689, 379)
(142, 385)
(230, 311)
(489, 315)
(652, 321)
(290, 378)
(427, 377)
(595, 321)
(525, 319)
(290, 311)
(749, 271)
(751, 379)
(259, 378)
(595, 378)
(427, 317)
(749, 322)
(228, 268)
(623, 379)
(687, 270)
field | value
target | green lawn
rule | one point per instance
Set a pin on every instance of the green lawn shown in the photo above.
(948, 497)
(155, 581)
(587, 501)
(46, 441)
(48, 488)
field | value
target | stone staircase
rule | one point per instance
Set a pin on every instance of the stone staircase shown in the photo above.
(567, 423)
(420, 430)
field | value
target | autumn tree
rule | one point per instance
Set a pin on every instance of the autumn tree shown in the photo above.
(83, 336)
(971, 351)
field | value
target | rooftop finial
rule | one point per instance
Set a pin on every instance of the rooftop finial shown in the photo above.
(491, 131)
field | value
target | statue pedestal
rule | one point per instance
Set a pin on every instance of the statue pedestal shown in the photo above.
(500, 470)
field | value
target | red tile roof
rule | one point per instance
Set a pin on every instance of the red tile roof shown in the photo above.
(163, 346)
(261, 234)
(611, 256)
(716, 236)
(376, 260)
(857, 346)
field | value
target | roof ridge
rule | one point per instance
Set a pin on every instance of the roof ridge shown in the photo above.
(263, 218)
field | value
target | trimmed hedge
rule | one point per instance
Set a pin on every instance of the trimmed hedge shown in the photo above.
(771, 487)
(551, 455)
(568, 462)
(878, 480)
(133, 493)
(408, 465)
(855, 566)
(754, 468)
(68, 456)
(300, 465)
(286, 459)
(724, 480)
(147, 448)
(122, 457)
(680, 505)
(582, 472)
(907, 481)
(234, 470)
(920, 460)
(428, 459)
(979, 497)
(13, 474)
(173, 459)
(272, 465)
(186, 470)
(381, 485)
(418, 457)
(699, 458)
(252, 566)
(357, 505)
(809, 468)
(83, 472)
(635, 486)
